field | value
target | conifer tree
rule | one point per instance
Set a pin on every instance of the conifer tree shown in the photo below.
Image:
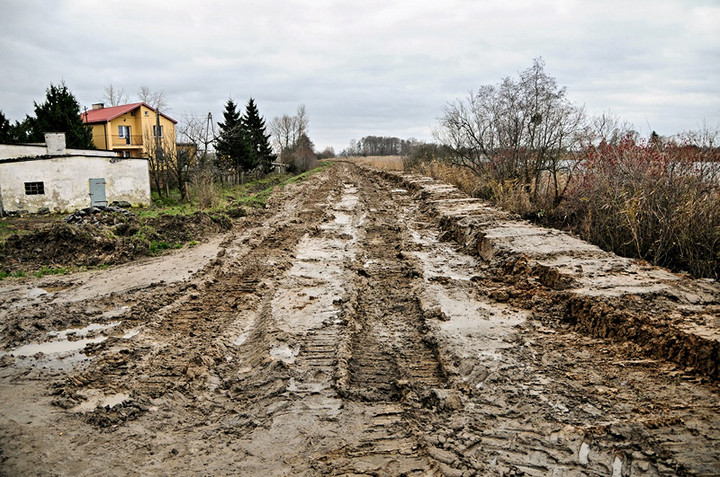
(232, 144)
(261, 155)
(60, 113)
(5, 130)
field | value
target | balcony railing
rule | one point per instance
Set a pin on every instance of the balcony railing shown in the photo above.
(133, 140)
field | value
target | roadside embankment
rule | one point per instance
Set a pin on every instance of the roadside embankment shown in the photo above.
(666, 315)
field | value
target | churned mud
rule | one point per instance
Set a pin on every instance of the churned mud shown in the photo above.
(99, 237)
(365, 324)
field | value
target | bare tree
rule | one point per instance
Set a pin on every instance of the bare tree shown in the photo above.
(302, 121)
(287, 130)
(516, 130)
(282, 129)
(196, 130)
(608, 128)
(156, 99)
(169, 165)
(113, 96)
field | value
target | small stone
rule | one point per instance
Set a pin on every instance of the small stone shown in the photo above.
(500, 296)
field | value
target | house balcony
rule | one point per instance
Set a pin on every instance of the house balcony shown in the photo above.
(132, 142)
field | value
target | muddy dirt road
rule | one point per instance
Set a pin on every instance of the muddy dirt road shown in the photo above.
(338, 332)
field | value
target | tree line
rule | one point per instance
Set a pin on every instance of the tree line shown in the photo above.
(381, 146)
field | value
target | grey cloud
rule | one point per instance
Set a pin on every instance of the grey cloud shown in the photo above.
(372, 67)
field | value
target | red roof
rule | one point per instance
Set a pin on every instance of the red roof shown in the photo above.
(103, 115)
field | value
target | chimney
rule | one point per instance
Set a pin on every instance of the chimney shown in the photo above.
(98, 105)
(55, 143)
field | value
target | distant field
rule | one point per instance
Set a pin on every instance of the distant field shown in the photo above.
(381, 162)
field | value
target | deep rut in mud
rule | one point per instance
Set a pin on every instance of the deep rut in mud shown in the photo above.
(337, 333)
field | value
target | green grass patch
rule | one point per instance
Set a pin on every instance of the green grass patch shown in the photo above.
(260, 198)
(253, 194)
(155, 211)
(157, 246)
(7, 229)
(51, 271)
(5, 274)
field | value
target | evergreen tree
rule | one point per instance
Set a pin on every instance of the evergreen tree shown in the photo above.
(13, 133)
(60, 113)
(261, 155)
(232, 145)
(5, 130)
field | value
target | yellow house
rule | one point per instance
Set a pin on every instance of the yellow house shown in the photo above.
(131, 129)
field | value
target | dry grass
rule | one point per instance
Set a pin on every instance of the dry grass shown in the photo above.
(461, 177)
(632, 199)
(390, 163)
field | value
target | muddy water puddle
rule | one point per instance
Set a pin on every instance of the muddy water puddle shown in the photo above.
(54, 347)
(64, 349)
(95, 398)
(92, 327)
(284, 353)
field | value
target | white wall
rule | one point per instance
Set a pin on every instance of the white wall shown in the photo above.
(66, 184)
(9, 151)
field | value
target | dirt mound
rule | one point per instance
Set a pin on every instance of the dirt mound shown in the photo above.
(110, 238)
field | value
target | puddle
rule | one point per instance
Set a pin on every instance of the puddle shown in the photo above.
(241, 338)
(342, 219)
(112, 313)
(83, 331)
(54, 347)
(349, 200)
(489, 355)
(36, 292)
(617, 467)
(61, 346)
(284, 353)
(97, 398)
(584, 453)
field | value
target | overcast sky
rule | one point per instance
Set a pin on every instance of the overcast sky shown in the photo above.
(380, 67)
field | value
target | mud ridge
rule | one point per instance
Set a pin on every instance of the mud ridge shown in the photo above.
(677, 316)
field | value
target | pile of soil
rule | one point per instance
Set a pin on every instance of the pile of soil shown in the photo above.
(112, 237)
(96, 215)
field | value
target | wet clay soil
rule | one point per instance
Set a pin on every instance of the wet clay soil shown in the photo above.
(340, 332)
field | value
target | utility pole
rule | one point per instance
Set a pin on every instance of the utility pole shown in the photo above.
(159, 152)
(208, 126)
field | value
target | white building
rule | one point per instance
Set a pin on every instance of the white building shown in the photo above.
(62, 180)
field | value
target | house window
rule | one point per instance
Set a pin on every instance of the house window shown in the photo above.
(156, 130)
(34, 188)
(124, 133)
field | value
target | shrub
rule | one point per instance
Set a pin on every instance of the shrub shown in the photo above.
(643, 200)
(206, 192)
(660, 203)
